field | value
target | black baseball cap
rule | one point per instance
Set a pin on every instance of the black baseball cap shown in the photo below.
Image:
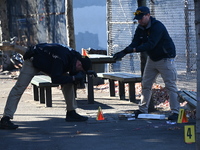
(140, 12)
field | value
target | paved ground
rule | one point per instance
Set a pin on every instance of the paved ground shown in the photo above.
(45, 128)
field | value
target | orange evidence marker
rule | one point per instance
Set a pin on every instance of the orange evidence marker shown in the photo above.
(100, 114)
(84, 52)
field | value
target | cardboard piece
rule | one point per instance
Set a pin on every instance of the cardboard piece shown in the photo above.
(151, 116)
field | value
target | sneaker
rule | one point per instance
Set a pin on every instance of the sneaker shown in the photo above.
(72, 116)
(137, 112)
(7, 124)
(173, 117)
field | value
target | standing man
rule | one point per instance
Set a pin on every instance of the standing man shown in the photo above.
(152, 37)
(64, 65)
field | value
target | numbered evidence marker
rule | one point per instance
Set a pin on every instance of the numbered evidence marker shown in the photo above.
(182, 116)
(189, 133)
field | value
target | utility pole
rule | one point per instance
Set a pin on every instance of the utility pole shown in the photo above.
(143, 58)
(143, 55)
(141, 3)
(70, 23)
(197, 27)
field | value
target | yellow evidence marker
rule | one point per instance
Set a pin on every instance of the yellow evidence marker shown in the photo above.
(189, 134)
(182, 116)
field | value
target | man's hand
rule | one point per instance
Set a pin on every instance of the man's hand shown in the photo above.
(79, 76)
(119, 55)
(80, 80)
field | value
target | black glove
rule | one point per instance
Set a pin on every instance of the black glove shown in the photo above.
(119, 55)
(92, 73)
(128, 50)
(79, 76)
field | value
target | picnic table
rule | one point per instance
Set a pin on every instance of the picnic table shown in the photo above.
(96, 59)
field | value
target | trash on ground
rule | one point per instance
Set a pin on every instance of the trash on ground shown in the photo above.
(131, 118)
(170, 122)
(127, 116)
(151, 116)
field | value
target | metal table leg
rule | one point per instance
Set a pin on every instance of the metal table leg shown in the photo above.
(90, 89)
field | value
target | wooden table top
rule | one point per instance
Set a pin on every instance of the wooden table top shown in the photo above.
(98, 59)
(123, 76)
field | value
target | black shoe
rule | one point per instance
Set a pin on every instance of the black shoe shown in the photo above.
(173, 117)
(72, 116)
(137, 112)
(7, 124)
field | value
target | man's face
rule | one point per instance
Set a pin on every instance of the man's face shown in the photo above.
(79, 66)
(145, 20)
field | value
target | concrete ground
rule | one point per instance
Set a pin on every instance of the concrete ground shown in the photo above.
(45, 128)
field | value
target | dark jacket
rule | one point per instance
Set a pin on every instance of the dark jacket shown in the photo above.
(155, 40)
(55, 60)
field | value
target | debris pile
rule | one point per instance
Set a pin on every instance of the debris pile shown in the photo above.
(159, 94)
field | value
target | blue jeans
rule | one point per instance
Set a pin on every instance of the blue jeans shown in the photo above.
(167, 69)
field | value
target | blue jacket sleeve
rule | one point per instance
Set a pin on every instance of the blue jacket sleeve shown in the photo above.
(136, 39)
(57, 73)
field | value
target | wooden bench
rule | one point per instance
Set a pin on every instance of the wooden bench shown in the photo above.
(122, 78)
(42, 89)
(190, 97)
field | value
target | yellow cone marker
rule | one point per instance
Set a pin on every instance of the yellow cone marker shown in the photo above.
(182, 116)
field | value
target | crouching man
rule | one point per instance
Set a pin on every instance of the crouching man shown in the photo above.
(64, 65)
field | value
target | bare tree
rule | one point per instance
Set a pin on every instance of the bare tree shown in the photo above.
(7, 46)
(70, 23)
(4, 20)
(5, 31)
